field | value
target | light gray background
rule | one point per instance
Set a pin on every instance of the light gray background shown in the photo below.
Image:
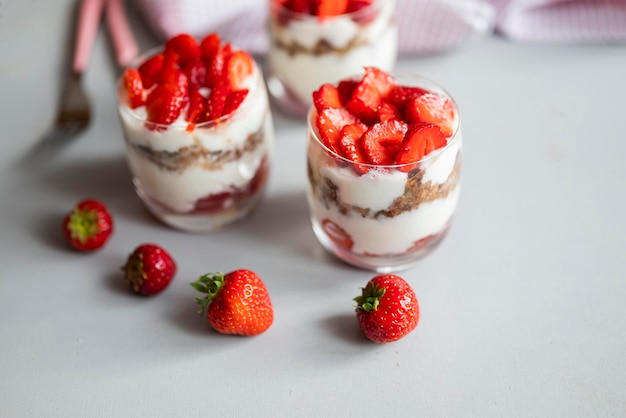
(523, 305)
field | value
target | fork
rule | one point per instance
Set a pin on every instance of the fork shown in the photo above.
(74, 112)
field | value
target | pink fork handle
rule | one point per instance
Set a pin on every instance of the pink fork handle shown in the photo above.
(122, 37)
(88, 21)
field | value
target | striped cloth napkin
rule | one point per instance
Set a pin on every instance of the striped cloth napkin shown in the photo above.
(424, 25)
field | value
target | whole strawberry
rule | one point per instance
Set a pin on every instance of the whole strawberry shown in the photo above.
(149, 269)
(387, 309)
(235, 303)
(88, 226)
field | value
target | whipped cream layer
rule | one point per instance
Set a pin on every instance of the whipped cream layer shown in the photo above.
(292, 56)
(177, 167)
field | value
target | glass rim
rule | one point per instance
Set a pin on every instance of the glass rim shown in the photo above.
(138, 60)
(431, 155)
(281, 8)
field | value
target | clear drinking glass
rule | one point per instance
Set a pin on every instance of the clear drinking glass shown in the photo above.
(388, 218)
(306, 51)
(203, 178)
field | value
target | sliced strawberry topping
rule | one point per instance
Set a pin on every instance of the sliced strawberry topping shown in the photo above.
(400, 95)
(420, 139)
(327, 96)
(185, 46)
(345, 89)
(382, 141)
(163, 105)
(209, 46)
(217, 101)
(196, 110)
(432, 108)
(329, 123)
(351, 147)
(388, 111)
(196, 73)
(337, 234)
(238, 68)
(150, 70)
(368, 93)
(134, 87)
(215, 71)
(328, 8)
(233, 100)
(300, 6)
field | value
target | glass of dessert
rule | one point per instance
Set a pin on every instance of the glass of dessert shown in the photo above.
(383, 160)
(198, 131)
(312, 42)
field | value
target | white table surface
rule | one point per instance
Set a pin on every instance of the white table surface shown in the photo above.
(523, 304)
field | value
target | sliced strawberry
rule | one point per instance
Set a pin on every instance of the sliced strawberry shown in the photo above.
(150, 70)
(234, 100)
(327, 96)
(133, 87)
(350, 145)
(337, 234)
(209, 46)
(196, 110)
(239, 66)
(388, 111)
(217, 101)
(382, 141)
(163, 105)
(400, 95)
(216, 73)
(185, 46)
(329, 124)
(329, 8)
(301, 6)
(420, 140)
(368, 93)
(345, 89)
(432, 108)
(196, 73)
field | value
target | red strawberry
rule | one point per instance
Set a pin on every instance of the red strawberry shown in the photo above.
(196, 110)
(350, 146)
(88, 226)
(133, 87)
(239, 66)
(400, 95)
(150, 70)
(300, 6)
(234, 100)
(388, 111)
(328, 8)
(327, 96)
(387, 309)
(345, 89)
(185, 46)
(149, 269)
(382, 141)
(329, 124)
(236, 303)
(209, 46)
(216, 69)
(362, 13)
(196, 73)
(217, 101)
(164, 105)
(337, 234)
(368, 93)
(431, 108)
(420, 140)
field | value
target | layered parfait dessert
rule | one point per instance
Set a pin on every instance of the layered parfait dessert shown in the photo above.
(322, 41)
(198, 130)
(384, 156)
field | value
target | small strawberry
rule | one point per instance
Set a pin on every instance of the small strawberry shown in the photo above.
(327, 96)
(133, 86)
(345, 89)
(236, 303)
(382, 141)
(368, 93)
(329, 124)
(88, 226)
(388, 111)
(164, 105)
(234, 100)
(185, 46)
(196, 73)
(149, 269)
(150, 70)
(217, 101)
(387, 308)
(209, 46)
(420, 140)
(350, 146)
(399, 95)
(431, 108)
(196, 110)
(239, 66)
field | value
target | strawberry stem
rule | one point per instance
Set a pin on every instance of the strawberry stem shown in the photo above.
(369, 299)
(83, 224)
(210, 284)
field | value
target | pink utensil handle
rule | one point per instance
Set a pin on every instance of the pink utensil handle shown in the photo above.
(122, 36)
(88, 21)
